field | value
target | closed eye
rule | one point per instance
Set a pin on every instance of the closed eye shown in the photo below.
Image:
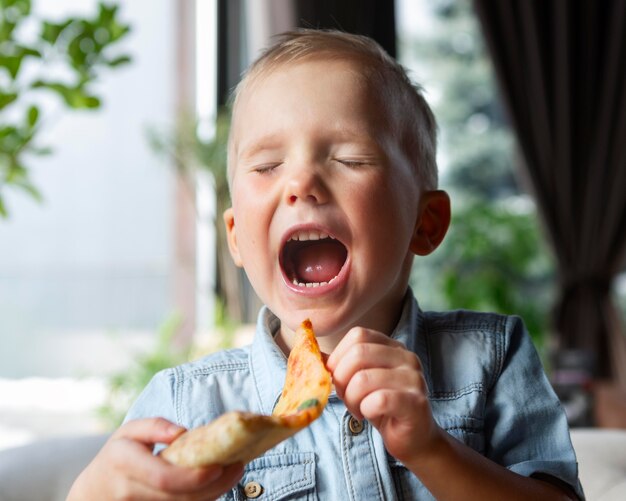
(265, 168)
(352, 163)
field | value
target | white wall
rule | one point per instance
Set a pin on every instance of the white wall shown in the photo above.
(95, 257)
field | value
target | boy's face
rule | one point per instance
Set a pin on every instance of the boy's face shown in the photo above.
(324, 201)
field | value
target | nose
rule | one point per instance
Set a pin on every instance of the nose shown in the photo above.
(305, 185)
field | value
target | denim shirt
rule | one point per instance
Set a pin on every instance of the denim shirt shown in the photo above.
(487, 389)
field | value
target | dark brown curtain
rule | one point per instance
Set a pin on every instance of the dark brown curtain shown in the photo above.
(562, 69)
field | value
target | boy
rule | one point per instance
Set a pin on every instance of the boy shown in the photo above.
(333, 181)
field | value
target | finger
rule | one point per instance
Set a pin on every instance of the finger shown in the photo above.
(370, 355)
(149, 431)
(384, 404)
(356, 335)
(226, 481)
(231, 475)
(134, 443)
(178, 479)
(138, 492)
(139, 464)
(229, 479)
(404, 420)
(364, 356)
(368, 381)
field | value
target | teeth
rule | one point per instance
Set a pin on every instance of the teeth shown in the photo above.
(312, 284)
(303, 236)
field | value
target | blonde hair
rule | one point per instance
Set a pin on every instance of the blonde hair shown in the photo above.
(408, 113)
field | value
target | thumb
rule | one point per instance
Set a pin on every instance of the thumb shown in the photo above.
(149, 431)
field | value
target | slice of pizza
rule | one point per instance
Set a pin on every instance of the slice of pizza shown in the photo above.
(241, 436)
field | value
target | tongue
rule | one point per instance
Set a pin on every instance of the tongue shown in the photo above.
(319, 262)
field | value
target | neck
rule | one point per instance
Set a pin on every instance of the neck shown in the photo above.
(285, 337)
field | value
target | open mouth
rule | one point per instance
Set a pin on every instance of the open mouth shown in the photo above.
(312, 258)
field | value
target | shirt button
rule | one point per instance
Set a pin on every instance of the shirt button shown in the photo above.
(355, 425)
(253, 490)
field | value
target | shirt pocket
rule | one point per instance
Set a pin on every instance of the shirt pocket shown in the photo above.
(406, 485)
(274, 477)
(466, 429)
(461, 414)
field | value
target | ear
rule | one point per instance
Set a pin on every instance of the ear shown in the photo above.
(231, 236)
(432, 222)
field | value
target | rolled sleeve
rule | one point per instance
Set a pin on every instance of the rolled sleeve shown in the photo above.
(526, 427)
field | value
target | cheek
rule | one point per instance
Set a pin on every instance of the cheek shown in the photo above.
(389, 201)
(249, 234)
(249, 204)
(253, 237)
(389, 216)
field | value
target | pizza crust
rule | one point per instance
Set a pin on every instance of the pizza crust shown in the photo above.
(239, 436)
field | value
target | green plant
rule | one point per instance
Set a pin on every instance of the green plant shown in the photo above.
(78, 48)
(494, 259)
(125, 386)
(193, 154)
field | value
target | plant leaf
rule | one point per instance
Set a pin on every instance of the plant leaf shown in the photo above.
(312, 402)
(33, 116)
(6, 99)
(12, 64)
(29, 188)
(28, 51)
(3, 210)
(74, 97)
(50, 32)
(119, 61)
(40, 151)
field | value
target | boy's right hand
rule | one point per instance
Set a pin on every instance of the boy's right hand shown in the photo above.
(125, 468)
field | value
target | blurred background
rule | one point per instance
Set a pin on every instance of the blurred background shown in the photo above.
(112, 133)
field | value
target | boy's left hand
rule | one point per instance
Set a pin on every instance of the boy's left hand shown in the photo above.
(381, 381)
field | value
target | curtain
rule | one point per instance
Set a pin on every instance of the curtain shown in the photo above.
(373, 18)
(561, 65)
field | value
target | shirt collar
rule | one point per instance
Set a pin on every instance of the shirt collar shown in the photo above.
(410, 331)
(269, 363)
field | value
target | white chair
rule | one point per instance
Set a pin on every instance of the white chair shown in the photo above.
(45, 470)
(602, 462)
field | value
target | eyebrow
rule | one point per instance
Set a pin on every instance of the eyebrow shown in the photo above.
(273, 141)
(344, 132)
(365, 137)
(267, 142)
